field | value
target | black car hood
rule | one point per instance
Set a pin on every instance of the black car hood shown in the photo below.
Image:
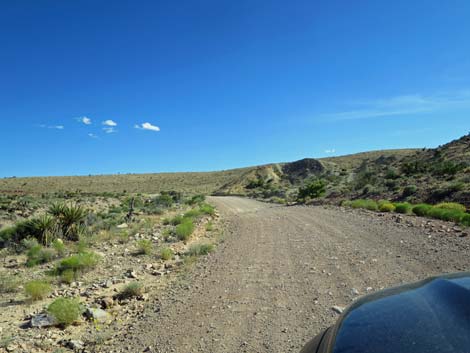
(432, 316)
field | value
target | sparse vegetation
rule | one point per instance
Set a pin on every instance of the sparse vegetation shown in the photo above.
(78, 263)
(131, 290)
(166, 253)
(200, 249)
(144, 247)
(184, 230)
(313, 190)
(8, 283)
(38, 255)
(65, 310)
(37, 290)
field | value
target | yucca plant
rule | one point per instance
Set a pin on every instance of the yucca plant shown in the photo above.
(43, 228)
(70, 218)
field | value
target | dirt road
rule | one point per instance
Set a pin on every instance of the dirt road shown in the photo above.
(271, 284)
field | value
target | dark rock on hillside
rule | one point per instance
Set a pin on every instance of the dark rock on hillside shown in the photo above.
(302, 169)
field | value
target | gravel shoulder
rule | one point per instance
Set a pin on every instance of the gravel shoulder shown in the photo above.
(271, 284)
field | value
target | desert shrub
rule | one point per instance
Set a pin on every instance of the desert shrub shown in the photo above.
(196, 199)
(166, 234)
(447, 168)
(8, 283)
(131, 290)
(367, 204)
(176, 220)
(78, 263)
(166, 221)
(200, 249)
(184, 230)
(392, 174)
(207, 209)
(392, 185)
(403, 207)
(163, 200)
(67, 276)
(194, 213)
(144, 246)
(465, 220)
(59, 247)
(65, 310)
(421, 209)
(39, 255)
(166, 253)
(386, 207)
(452, 206)
(37, 290)
(445, 214)
(29, 243)
(409, 190)
(313, 189)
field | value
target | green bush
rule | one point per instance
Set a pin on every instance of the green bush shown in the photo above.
(313, 189)
(445, 214)
(422, 209)
(39, 255)
(59, 247)
(465, 220)
(144, 246)
(67, 276)
(166, 253)
(409, 190)
(37, 290)
(200, 249)
(176, 220)
(196, 199)
(65, 310)
(367, 204)
(78, 263)
(452, 206)
(163, 200)
(209, 226)
(194, 213)
(403, 207)
(386, 207)
(184, 230)
(207, 209)
(133, 289)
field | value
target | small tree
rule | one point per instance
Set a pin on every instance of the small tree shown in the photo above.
(313, 189)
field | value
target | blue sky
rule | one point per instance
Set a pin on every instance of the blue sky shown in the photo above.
(227, 83)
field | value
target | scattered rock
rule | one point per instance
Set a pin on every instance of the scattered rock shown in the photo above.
(43, 320)
(122, 226)
(75, 345)
(337, 309)
(98, 315)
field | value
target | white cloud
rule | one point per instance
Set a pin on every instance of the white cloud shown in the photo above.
(147, 126)
(109, 130)
(85, 120)
(92, 135)
(109, 122)
(330, 151)
(57, 127)
(402, 105)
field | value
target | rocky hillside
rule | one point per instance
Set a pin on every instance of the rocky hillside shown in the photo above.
(426, 175)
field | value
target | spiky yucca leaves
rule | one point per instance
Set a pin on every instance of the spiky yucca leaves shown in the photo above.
(70, 219)
(43, 228)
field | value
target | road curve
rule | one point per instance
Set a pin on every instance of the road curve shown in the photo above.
(271, 284)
